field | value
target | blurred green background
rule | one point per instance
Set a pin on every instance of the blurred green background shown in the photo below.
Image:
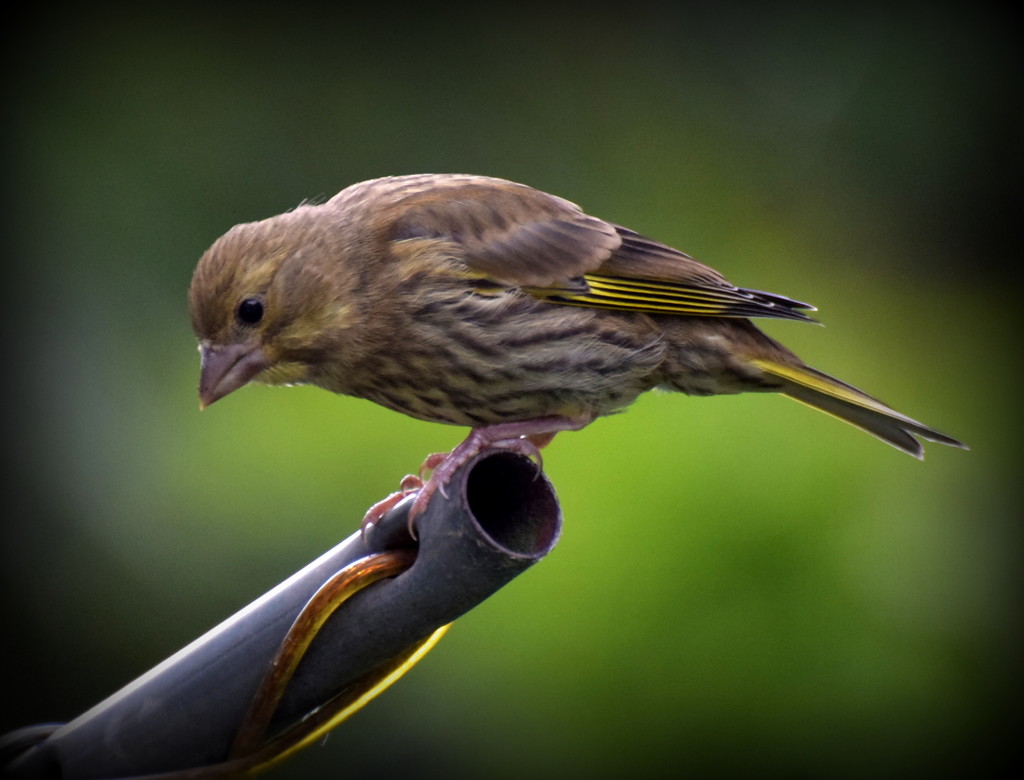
(744, 587)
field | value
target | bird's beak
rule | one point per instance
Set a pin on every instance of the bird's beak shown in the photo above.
(225, 369)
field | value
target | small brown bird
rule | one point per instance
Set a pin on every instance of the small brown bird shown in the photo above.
(477, 301)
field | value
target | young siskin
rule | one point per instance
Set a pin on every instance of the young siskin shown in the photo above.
(480, 302)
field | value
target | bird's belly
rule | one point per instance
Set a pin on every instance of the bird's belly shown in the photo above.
(478, 370)
(502, 394)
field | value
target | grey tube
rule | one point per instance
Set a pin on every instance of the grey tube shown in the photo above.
(500, 516)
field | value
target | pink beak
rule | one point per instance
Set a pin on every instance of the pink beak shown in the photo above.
(225, 369)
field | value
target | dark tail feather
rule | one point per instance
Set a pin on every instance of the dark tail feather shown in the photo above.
(849, 404)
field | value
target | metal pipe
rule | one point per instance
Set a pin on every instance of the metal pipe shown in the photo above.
(499, 517)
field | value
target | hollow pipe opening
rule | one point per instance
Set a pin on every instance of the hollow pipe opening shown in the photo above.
(513, 503)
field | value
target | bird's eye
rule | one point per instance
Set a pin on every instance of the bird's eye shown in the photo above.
(250, 311)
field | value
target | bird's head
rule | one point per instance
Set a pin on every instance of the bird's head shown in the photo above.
(267, 304)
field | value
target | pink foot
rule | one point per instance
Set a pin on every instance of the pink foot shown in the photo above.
(410, 484)
(525, 437)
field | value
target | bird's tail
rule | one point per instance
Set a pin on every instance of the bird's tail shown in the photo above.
(849, 404)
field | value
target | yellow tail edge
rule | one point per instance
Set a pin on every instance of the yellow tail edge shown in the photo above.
(845, 402)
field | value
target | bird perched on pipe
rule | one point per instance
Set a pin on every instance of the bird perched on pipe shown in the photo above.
(480, 302)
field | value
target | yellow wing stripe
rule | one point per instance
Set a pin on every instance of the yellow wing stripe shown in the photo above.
(642, 286)
(652, 289)
(668, 298)
(660, 297)
(598, 302)
(651, 296)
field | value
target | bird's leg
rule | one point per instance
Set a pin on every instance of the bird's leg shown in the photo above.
(542, 440)
(526, 437)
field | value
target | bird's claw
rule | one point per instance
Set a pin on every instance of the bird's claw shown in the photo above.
(431, 462)
(410, 484)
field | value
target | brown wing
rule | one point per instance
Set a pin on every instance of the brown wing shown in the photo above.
(509, 233)
(515, 235)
